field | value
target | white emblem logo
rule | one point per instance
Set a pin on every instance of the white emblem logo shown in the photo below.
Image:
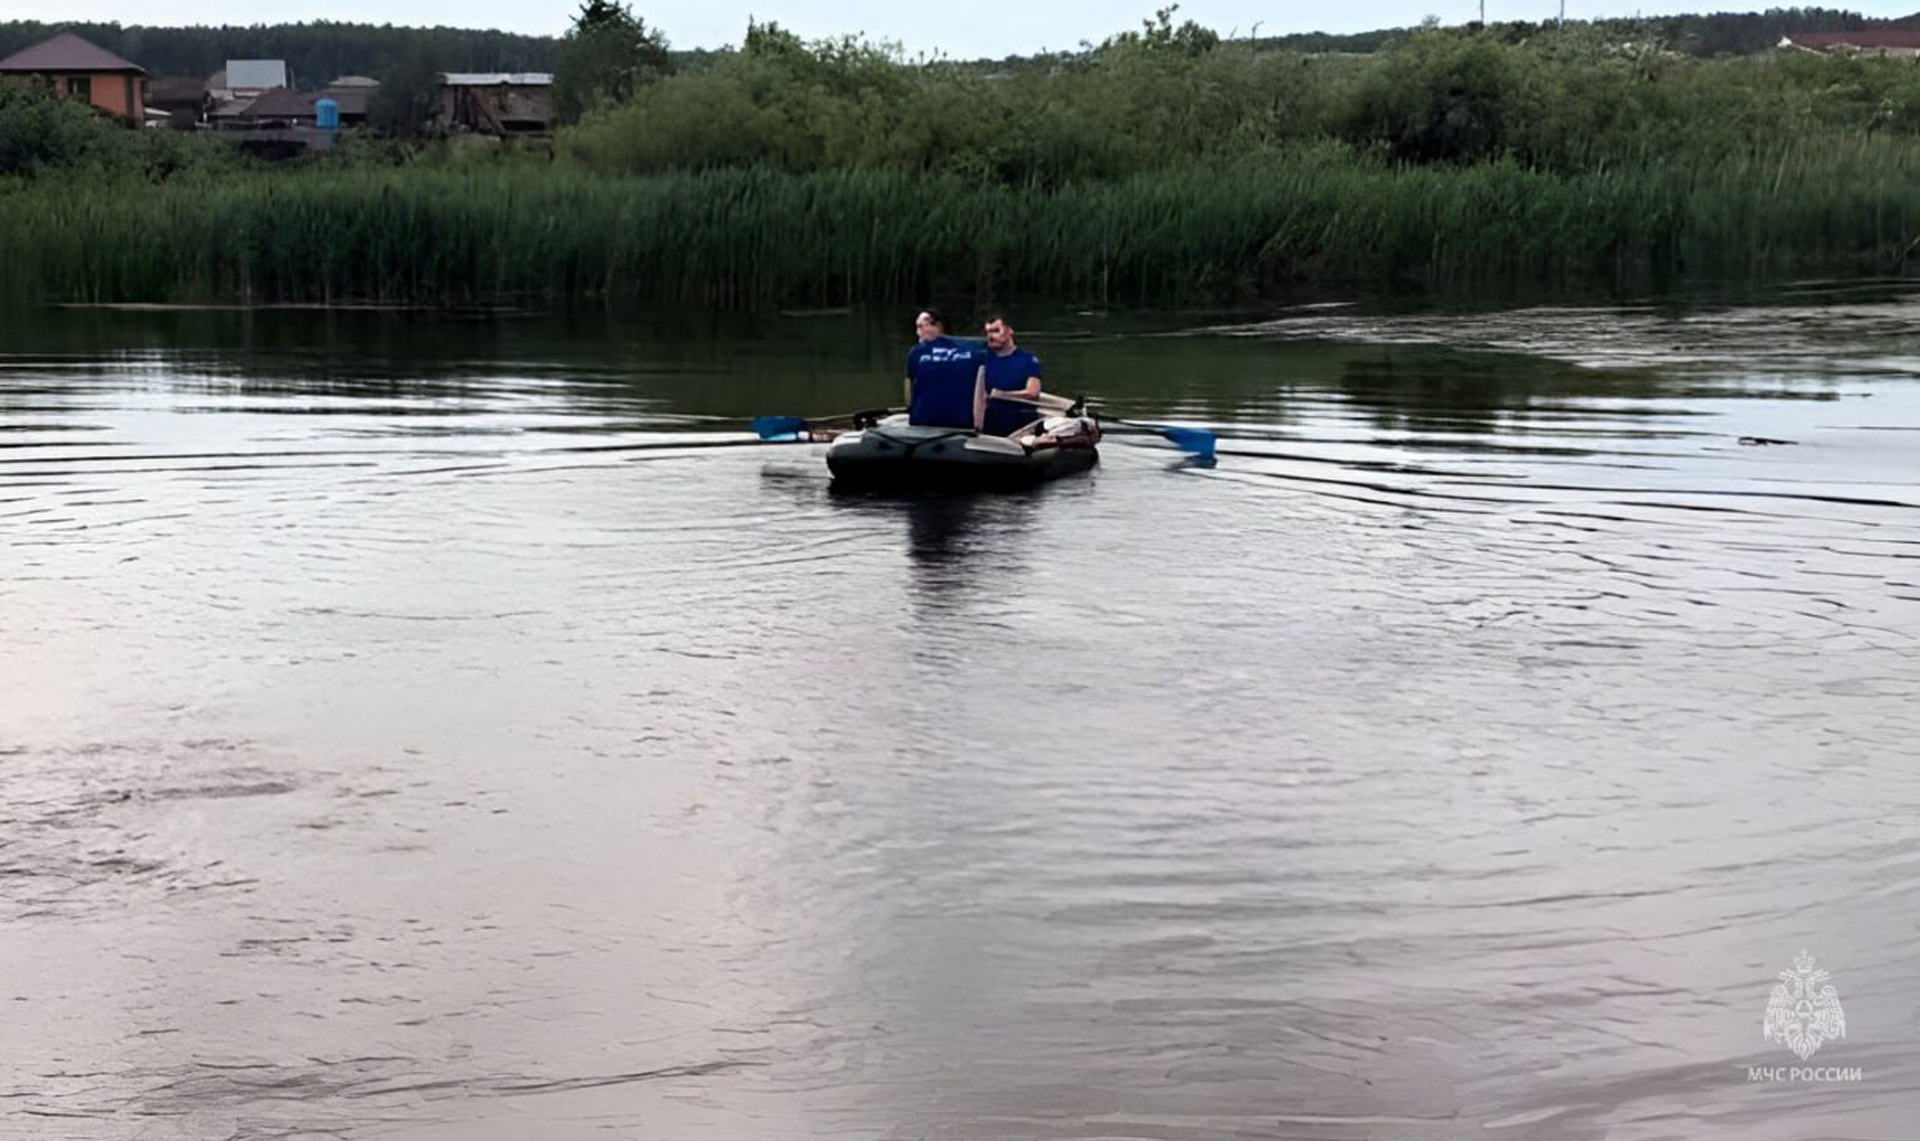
(1804, 1010)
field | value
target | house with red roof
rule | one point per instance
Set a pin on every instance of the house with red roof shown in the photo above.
(77, 69)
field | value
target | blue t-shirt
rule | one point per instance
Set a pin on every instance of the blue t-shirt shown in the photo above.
(943, 371)
(1010, 373)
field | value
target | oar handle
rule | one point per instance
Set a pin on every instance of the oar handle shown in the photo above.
(1046, 400)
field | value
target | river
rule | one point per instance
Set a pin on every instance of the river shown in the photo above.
(457, 727)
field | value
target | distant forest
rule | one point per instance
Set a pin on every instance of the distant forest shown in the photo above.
(319, 51)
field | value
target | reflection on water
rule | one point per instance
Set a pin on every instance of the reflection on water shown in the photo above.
(457, 728)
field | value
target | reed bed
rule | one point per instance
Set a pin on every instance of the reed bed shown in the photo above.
(1312, 214)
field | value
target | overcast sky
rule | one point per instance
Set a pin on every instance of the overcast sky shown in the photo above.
(984, 27)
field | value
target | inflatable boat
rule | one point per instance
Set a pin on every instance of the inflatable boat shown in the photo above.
(888, 452)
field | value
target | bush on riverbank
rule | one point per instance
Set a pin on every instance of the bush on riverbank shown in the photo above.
(1562, 99)
(42, 137)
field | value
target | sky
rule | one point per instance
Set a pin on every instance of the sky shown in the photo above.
(986, 29)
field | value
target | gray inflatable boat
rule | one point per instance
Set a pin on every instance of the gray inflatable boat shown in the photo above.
(891, 453)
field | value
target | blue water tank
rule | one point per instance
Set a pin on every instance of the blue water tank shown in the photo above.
(326, 115)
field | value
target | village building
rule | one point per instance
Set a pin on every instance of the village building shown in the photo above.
(496, 103)
(279, 107)
(182, 98)
(230, 92)
(252, 78)
(353, 95)
(283, 123)
(77, 69)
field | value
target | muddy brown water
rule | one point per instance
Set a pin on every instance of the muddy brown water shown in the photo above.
(419, 728)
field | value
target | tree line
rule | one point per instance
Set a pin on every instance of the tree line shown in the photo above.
(321, 50)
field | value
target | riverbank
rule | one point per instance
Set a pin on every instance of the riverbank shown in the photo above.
(1165, 168)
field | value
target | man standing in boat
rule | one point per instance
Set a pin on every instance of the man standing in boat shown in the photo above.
(1011, 372)
(946, 379)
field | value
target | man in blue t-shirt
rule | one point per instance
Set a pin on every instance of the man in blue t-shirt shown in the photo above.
(944, 377)
(1011, 371)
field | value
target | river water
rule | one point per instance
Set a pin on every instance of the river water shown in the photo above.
(455, 728)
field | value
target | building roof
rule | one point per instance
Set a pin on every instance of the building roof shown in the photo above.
(175, 88)
(280, 103)
(496, 79)
(249, 74)
(1868, 38)
(353, 81)
(67, 52)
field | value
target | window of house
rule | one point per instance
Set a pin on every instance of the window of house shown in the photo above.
(80, 87)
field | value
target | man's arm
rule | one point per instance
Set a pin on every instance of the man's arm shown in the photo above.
(1028, 391)
(906, 390)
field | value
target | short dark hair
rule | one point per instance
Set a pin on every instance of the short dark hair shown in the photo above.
(997, 315)
(934, 316)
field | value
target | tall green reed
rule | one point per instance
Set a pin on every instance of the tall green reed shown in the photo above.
(1320, 214)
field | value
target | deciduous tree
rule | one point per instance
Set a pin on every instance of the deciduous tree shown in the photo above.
(606, 56)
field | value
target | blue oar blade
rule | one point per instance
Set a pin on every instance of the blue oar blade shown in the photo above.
(779, 429)
(1199, 441)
